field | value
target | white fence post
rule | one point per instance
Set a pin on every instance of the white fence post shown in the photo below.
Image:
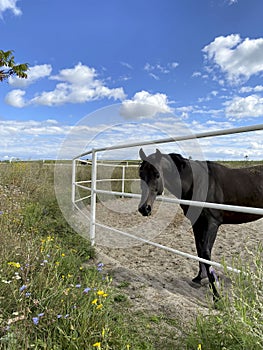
(123, 180)
(93, 197)
(73, 187)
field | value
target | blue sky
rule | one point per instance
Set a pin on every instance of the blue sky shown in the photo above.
(168, 67)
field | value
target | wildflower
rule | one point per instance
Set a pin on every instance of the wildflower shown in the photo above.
(81, 268)
(63, 255)
(35, 320)
(21, 289)
(100, 292)
(105, 295)
(103, 332)
(59, 316)
(17, 276)
(98, 307)
(199, 347)
(94, 302)
(27, 294)
(97, 345)
(14, 264)
(1, 212)
(100, 266)
(86, 290)
(7, 282)
(79, 286)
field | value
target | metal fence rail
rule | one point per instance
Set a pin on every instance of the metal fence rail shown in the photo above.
(94, 191)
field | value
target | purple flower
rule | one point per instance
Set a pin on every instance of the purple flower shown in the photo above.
(27, 294)
(86, 290)
(35, 320)
(59, 316)
(100, 266)
(21, 289)
(78, 285)
(66, 316)
(1, 212)
(41, 314)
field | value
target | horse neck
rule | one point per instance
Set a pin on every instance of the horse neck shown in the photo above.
(180, 186)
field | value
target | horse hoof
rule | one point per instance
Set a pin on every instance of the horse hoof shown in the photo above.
(197, 280)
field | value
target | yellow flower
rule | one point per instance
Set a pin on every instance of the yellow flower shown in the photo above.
(98, 307)
(105, 295)
(97, 345)
(199, 347)
(62, 255)
(14, 264)
(103, 332)
(100, 292)
(94, 301)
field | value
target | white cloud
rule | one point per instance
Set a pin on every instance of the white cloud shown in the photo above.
(34, 139)
(155, 69)
(243, 107)
(232, 2)
(257, 88)
(76, 85)
(33, 74)
(9, 5)
(126, 65)
(15, 98)
(145, 105)
(238, 59)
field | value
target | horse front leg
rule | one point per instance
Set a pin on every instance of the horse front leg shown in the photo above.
(198, 229)
(209, 240)
(205, 235)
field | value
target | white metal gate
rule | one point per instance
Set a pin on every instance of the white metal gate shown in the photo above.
(94, 191)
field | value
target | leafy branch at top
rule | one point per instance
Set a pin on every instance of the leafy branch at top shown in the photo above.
(8, 67)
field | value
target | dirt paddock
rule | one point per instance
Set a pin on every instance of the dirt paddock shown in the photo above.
(155, 279)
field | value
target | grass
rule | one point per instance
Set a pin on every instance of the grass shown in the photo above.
(54, 296)
(238, 321)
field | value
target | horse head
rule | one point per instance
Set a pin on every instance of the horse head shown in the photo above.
(151, 176)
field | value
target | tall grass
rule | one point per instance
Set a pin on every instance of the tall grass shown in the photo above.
(237, 324)
(52, 295)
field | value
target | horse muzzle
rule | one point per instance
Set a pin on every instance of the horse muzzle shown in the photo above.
(145, 210)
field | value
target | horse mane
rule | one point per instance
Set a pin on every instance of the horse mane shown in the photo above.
(178, 159)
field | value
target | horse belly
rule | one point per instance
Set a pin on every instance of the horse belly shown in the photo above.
(230, 217)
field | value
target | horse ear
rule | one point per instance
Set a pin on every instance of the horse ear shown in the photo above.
(158, 154)
(142, 154)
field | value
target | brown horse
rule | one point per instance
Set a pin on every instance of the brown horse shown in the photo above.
(206, 182)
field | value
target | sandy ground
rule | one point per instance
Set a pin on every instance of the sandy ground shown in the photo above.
(155, 279)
